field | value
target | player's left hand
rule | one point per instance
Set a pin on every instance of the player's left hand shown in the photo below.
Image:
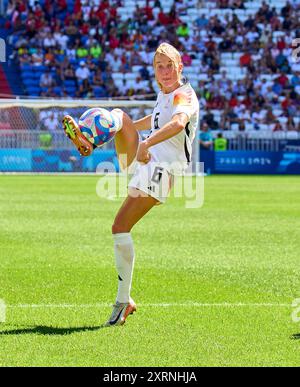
(143, 155)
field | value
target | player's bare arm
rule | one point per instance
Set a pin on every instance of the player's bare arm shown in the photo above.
(171, 129)
(143, 124)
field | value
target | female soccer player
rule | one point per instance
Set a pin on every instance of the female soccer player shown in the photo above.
(165, 153)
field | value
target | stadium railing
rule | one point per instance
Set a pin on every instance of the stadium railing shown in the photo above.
(36, 125)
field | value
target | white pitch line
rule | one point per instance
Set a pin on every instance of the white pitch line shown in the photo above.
(152, 305)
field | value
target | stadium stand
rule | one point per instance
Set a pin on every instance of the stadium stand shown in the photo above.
(238, 55)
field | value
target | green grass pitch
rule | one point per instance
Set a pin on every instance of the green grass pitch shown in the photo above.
(214, 286)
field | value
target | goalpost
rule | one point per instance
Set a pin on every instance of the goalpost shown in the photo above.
(31, 134)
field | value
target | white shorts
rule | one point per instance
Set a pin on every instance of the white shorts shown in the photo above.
(151, 179)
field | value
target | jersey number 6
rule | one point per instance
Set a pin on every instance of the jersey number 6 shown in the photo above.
(157, 175)
(156, 126)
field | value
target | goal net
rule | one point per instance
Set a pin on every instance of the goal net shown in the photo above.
(32, 139)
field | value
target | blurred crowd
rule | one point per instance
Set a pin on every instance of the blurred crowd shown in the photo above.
(93, 42)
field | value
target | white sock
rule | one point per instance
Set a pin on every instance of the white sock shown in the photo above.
(118, 117)
(124, 252)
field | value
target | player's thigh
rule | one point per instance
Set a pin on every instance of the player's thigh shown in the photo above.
(126, 141)
(132, 210)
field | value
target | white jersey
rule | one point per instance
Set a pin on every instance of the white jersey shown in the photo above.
(176, 151)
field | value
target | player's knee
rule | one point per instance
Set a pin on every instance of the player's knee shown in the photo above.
(127, 121)
(118, 228)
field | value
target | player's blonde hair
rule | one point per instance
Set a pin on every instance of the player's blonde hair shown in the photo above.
(172, 53)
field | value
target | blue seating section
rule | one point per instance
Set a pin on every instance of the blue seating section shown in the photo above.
(31, 79)
(31, 74)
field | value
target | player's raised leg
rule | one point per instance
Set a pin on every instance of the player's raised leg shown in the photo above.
(72, 130)
(132, 210)
(126, 137)
(126, 140)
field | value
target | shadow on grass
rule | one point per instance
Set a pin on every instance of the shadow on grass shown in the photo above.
(45, 330)
(296, 336)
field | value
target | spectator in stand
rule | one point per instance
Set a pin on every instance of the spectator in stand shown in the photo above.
(277, 127)
(277, 88)
(144, 73)
(90, 64)
(233, 102)
(183, 30)
(72, 31)
(286, 104)
(258, 117)
(85, 90)
(49, 57)
(270, 117)
(82, 73)
(186, 59)
(123, 88)
(47, 80)
(241, 131)
(245, 60)
(205, 137)
(97, 78)
(49, 41)
(163, 18)
(295, 79)
(243, 115)
(61, 39)
(139, 85)
(223, 4)
(252, 35)
(37, 57)
(291, 124)
(81, 51)
(51, 123)
(201, 22)
(217, 102)
(69, 73)
(95, 50)
(283, 80)
(209, 119)
(229, 117)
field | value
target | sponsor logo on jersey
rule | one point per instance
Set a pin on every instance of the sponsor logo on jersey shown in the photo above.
(151, 188)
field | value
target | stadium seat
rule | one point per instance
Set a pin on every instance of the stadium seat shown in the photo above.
(136, 68)
(33, 91)
(70, 82)
(194, 82)
(70, 89)
(57, 90)
(279, 135)
(26, 67)
(193, 77)
(130, 77)
(117, 76)
(229, 134)
(30, 82)
(27, 75)
(292, 135)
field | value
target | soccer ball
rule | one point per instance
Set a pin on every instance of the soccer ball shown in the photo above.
(99, 125)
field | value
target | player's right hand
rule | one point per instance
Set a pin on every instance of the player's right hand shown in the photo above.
(143, 154)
